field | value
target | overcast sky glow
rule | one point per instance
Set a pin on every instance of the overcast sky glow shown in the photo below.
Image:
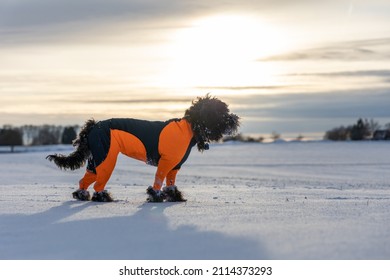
(300, 66)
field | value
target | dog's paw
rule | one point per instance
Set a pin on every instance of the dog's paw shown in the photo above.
(82, 195)
(172, 194)
(102, 196)
(154, 195)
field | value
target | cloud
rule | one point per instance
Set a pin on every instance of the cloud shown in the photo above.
(363, 50)
(370, 103)
(310, 112)
(44, 21)
(363, 73)
(381, 74)
(27, 20)
(45, 12)
(160, 102)
(245, 88)
(23, 13)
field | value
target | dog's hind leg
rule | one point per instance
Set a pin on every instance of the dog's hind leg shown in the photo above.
(87, 180)
(84, 183)
(82, 193)
(103, 173)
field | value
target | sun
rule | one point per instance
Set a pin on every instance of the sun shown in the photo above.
(221, 50)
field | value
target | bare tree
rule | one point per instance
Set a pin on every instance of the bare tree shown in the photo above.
(275, 136)
(338, 134)
(68, 135)
(48, 135)
(360, 130)
(10, 136)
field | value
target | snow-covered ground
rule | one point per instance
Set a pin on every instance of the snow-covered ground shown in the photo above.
(316, 200)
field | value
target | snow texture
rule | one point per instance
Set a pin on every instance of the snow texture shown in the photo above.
(315, 200)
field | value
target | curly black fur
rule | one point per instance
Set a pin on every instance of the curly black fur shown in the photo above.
(172, 194)
(210, 119)
(78, 158)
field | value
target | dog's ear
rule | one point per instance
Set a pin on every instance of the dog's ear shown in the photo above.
(211, 120)
(232, 123)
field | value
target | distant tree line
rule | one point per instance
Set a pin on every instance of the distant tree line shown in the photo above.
(241, 138)
(275, 136)
(361, 130)
(32, 135)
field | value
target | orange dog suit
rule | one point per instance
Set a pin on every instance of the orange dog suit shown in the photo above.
(166, 145)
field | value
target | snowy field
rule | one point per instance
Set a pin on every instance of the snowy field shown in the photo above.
(316, 200)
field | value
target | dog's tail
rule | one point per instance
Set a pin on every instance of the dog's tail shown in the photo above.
(78, 158)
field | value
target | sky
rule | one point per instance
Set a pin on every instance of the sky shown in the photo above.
(287, 66)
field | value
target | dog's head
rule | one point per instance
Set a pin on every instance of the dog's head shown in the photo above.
(210, 119)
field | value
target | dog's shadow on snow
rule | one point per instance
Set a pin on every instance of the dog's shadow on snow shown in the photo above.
(141, 236)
